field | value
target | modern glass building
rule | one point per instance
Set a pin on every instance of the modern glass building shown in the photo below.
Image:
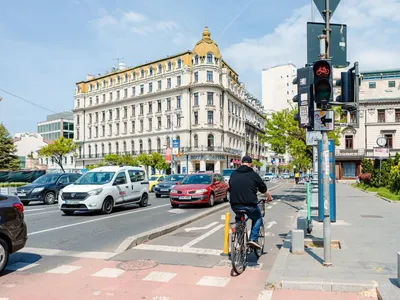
(57, 125)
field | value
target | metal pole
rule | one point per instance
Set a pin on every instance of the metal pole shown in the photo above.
(328, 33)
(314, 181)
(171, 144)
(380, 171)
(312, 11)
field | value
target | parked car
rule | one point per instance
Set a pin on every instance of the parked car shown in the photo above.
(102, 189)
(46, 188)
(200, 188)
(164, 188)
(155, 179)
(285, 176)
(227, 174)
(268, 176)
(13, 231)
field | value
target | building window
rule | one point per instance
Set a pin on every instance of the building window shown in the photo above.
(349, 142)
(178, 102)
(169, 66)
(178, 120)
(389, 141)
(116, 147)
(179, 80)
(221, 101)
(196, 118)
(168, 103)
(133, 127)
(125, 112)
(179, 63)
(133, 91)
(109, 129)
(168, 122)
(159, 123)
(141, 125)
(209, 76)
(196, 141)
(142, 73)
(90, 101)
(210, 117)
(151, 71)
(103, 130)
(150, 87)
(381, 116)
(392, 84)
(97, 99)
(159, 69)
(196, 60)
(141, 109)
(372, 85)
(168, 83)
(141, 89)
(118, 95)
(210, 142)
(150, 124)
(210, 100)
(125, 127)
(125, 93)
(110, 115)
(150, 108)
(168, 141)
(104, 98)
(196, 76)
(196, 99)
(158, 145)
(159, 84)
(117, 116)
(209, 58)
(397, 115)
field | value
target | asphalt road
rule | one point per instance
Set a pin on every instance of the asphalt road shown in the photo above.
(48, 228)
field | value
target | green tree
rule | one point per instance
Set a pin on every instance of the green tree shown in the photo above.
(112, 159)
(367, 166)
(145, 160)
(8, 159)
(394, 179)
(157, 162)
(58, 150)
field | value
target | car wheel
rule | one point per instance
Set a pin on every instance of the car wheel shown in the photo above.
(211, 200)
(158, 195)
(174, 205)
(107, 207)
(4, 254)
(144, 201)
(68, 212)
(50, 198)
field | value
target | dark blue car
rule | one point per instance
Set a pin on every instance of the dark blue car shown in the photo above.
(164, 187)
(46, 188)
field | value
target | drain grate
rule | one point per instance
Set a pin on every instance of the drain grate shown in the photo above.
(371, 216)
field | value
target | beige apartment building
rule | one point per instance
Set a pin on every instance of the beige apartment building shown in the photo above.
(194, 97)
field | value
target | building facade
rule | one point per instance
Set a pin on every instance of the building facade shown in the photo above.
(194, 97)
(379, 117)
(56, 125)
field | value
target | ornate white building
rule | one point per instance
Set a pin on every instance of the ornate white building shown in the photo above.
(194, 97)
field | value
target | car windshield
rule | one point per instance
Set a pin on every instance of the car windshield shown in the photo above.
(174, 177)
(96, 178)
(197, 179)
(227, 172)
(47, 179)
(269, 174)
(153, 178)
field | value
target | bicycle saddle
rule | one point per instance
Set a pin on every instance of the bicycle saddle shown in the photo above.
(241, 212)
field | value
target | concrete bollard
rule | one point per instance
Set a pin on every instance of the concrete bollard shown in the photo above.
(303, 213)
(297, 241)
(302, 224)
(398, 269)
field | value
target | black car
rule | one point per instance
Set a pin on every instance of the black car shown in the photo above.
(165, 187)
(13, 231)
(46, 187)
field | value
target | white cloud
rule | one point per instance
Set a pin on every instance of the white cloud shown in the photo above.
(372, 29)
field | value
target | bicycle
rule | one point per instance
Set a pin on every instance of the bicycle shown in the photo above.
(239, 238)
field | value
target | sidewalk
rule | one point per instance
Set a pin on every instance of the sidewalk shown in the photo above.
(368, 230)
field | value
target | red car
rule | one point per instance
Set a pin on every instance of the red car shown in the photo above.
(200, 188)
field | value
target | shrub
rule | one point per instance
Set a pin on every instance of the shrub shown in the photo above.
(394, 179)
(367, 165)
(365, 178)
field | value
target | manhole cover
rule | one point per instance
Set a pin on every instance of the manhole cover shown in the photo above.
(371, 216)
(138, 265)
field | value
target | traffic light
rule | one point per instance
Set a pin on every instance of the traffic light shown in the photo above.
(323, 87)
(346, 82)
(304, 97)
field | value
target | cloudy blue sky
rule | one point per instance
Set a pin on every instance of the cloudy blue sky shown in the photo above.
(48, 45)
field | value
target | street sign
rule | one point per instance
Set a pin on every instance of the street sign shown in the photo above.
(337, 44)
(168, 155)
(175, 147)
(381, 153)
(324, 120)
(312, 138)
(321, 6)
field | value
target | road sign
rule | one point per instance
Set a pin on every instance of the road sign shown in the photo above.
(324, 120)
(381, 153)
(175, 147)
(168, 155)
(337, 44)
(312, 138)
(321, 6)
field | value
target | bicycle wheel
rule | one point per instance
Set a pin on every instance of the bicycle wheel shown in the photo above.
(261, 241)
(239, 249)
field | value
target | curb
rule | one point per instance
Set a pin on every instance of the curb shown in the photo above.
(143, 237)
(376, 195)
(328, 285)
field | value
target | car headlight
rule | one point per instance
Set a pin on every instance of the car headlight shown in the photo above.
(174, 191)
(95, 192)
(202, 191)
(37, 190)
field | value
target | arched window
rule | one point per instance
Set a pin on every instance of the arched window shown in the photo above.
(109, 148)
(97, 85)
(118, 79)
(169, 66)
(90, 151)
(210, 142)
(95, 150)
(159, 68)
(178, 138)
(196, 141)
(133, 147)
(142, 73)
(126, 77)
(124, 145)
(149, 145)
(111, 82)
(179, 63)
(117, 147)
(90, 87)
(140, 146)
(158, 145)
(151, 71)
(196, 60)
(133, 76)
(104, 83)
(102, 149)
(209, 58)
(168, 141)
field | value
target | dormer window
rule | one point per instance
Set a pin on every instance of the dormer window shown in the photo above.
(196, 60)
(142, 73)
(209, 58)
(169, 66)
(179, 63)
(97, 85)
(126, 78)
(151, 71)
(104, 84)
(111, 82)
(90, 87)
(118, 79)
(159, 69)
(133, 76)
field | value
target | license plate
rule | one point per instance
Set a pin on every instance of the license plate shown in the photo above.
(21, 194)
(164, 190)
(71, 202)
(185, 197)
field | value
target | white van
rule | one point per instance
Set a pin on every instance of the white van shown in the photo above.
(102, 189)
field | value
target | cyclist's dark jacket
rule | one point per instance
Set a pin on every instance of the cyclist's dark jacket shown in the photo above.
(243, 185)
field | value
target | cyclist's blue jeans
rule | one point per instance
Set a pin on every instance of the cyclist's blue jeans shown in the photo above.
(254, 213)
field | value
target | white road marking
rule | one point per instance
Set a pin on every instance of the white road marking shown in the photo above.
(270, 224)
(159, 276)
(269, 207)
(200, 228)
(222, 217)
(56, 252)
(34, 209)
(164, 248)
(109, 273)
(20, 266)
(251, 265)
(97, 219)
(265, 295)
(274, 203)
(64, 269)
(269, 234)
(161, 298)
(202, 237)
(176, 211)
(4, 298)
(213, 281)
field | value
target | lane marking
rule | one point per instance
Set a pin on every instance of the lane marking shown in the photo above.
(265, 295)
(97, 219)
(79, 254)
(159, 276)
(177, 211)
(270, 224)
(202, 237)
(269, 207)
(274, 203)
(109, 273)
(200, 228)
(64, 269)
(175, 249)
(213, 281)
(222, 217)
(34, 209)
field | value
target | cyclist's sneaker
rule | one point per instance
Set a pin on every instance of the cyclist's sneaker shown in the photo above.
(254, 244)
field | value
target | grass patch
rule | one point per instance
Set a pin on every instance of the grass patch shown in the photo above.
(383, 191)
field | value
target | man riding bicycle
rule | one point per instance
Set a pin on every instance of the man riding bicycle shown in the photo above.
(244, 184)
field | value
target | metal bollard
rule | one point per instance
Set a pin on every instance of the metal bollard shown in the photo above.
(225, 252)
